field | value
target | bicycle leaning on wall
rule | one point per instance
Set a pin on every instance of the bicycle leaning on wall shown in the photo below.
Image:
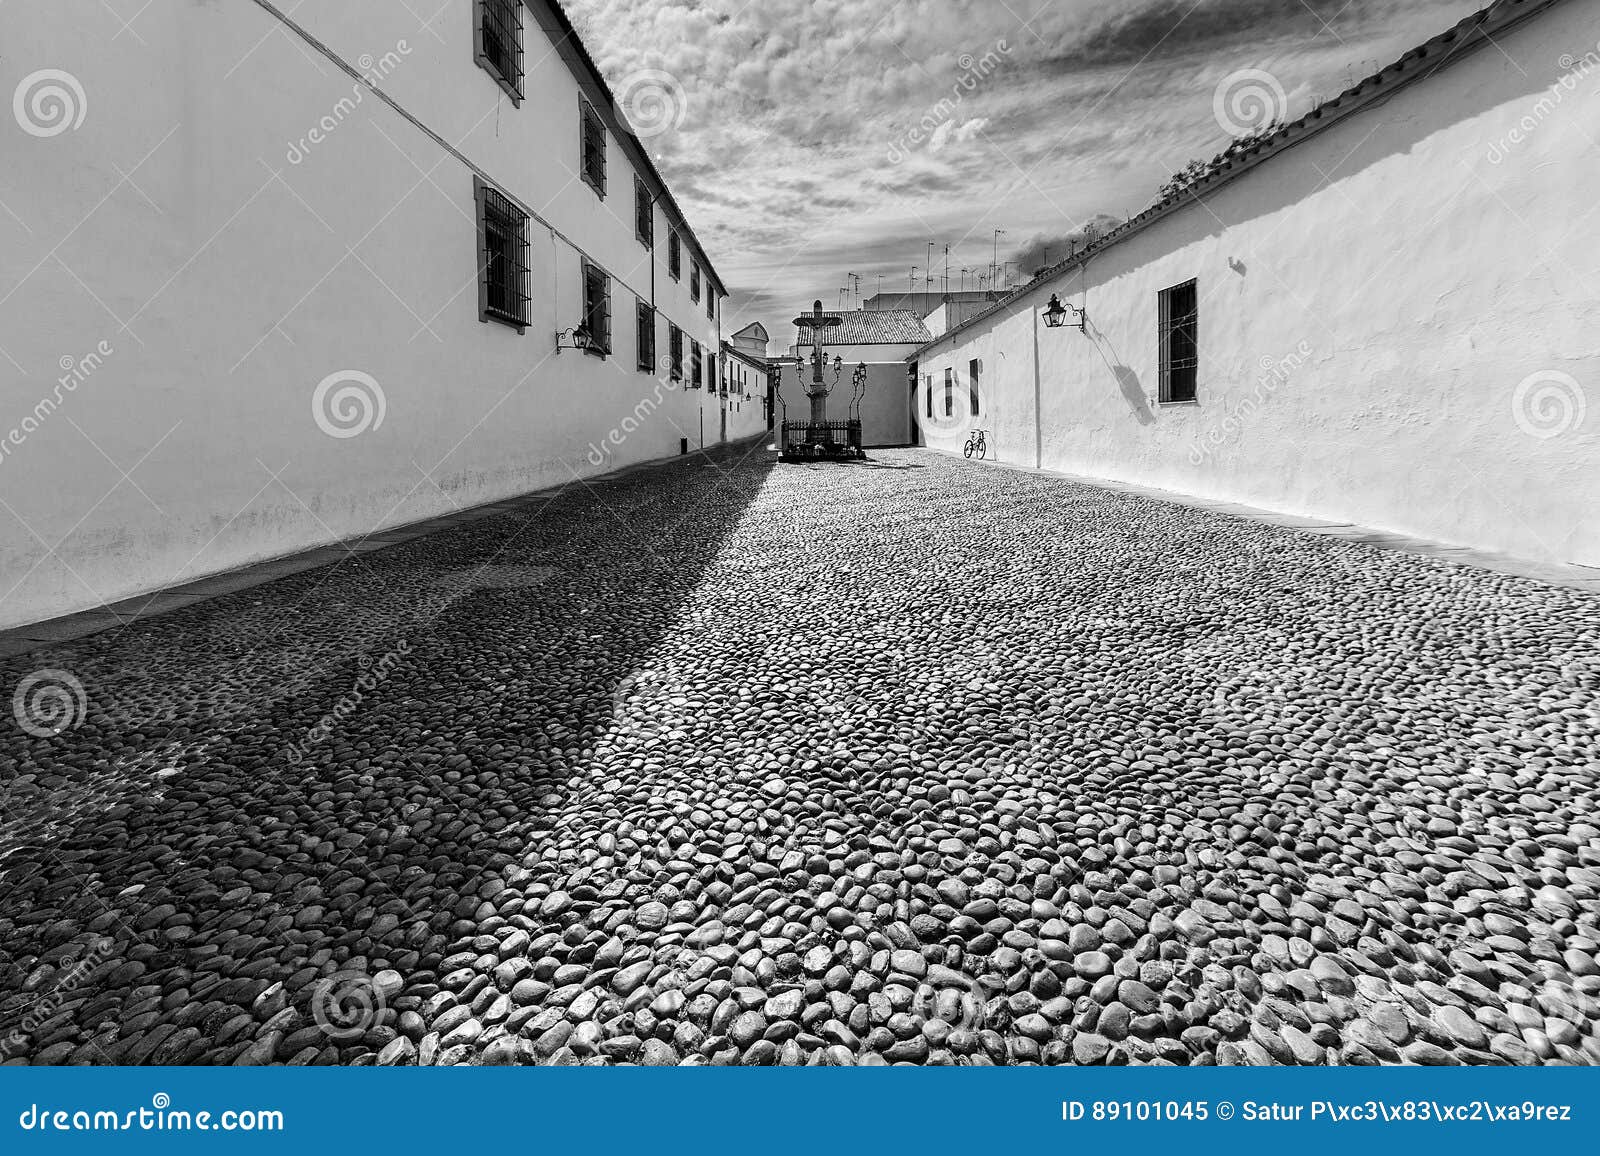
(977, 445)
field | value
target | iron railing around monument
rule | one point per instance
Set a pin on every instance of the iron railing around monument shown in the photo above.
(822, 433)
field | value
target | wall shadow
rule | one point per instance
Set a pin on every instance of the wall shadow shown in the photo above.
(335, 774)
(1127, 380)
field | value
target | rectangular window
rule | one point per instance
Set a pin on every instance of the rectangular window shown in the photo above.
(694, 281)
(497, 43)
(972, 385)
(694, 364)
(644, 214)
(927, 388)
(675, 255)
(1179, 339)
(949, 393)
(597, 308)
(646, 338)
(675, 351)
(502, 257)
(593, 136)
(711, 301)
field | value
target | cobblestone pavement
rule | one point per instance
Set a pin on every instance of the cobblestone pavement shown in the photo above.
(744, 763)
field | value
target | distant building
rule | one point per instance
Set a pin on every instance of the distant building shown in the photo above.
(745, 385)
(923, 304)
(953, 312)
(1381, 313)
(752, 339)
(879, 339)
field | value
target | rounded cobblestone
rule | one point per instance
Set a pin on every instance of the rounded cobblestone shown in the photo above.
(905, 762)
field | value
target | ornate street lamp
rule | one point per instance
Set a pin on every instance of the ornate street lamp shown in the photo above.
(577, 338)
(1055, 314)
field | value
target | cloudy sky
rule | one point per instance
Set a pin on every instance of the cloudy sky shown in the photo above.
(810, 139)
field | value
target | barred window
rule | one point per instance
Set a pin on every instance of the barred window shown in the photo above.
(675, 351)
(711, 300)
(498, 37)
(644, 214)
(694, 281)
(675, 255)
(502, 258)
(949, 393)
(597, 308)
(647, 338)
(972, 386)
(694, 364)
(592, 132)
(1179, 338)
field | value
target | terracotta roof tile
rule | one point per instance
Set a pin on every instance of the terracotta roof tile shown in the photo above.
(874, 327)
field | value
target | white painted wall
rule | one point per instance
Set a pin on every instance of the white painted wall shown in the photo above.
(1449, 255)
(223, 283)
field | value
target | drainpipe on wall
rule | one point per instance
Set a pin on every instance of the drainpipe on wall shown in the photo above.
(1038, 435)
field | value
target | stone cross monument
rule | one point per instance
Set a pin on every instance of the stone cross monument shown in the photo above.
(819, 323)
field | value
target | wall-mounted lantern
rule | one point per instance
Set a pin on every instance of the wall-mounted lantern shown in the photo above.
(577, 338)
(1056, 314)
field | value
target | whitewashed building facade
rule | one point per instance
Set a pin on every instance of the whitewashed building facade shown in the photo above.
(274, 276)
(1384, 313)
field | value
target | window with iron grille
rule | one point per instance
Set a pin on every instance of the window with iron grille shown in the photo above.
(597, 308)
(498, 43)
(675, 255)
(675, 351)
(1179, 338)
(711, 300)
(644, 214)
(646, 338)
(592, 133)
(502, 257)
(949, 393)
(694, 365)
(927, 388)
(694, 281)
(972, 386)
